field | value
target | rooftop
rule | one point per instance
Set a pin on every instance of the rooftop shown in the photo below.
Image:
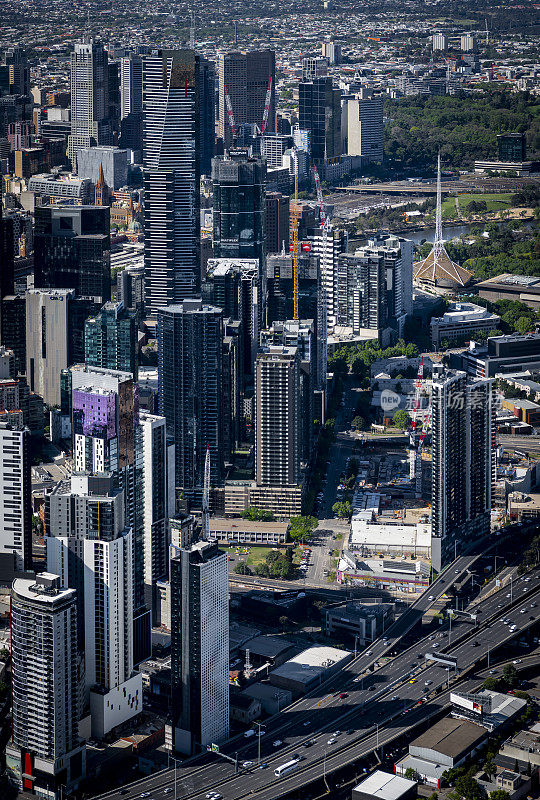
(382, 785)
(451, 737)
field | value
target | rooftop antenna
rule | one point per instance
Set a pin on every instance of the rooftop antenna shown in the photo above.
(487, 33)
(438, 244)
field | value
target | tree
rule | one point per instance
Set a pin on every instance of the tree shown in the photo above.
(401, 420)
(467, 787)
(510, 675)
(283, 621)
(254, 513)
(359, 423)
(242, 568)
(491, 683)
(499, 794)
(343, 510)
(410, 774)
(302, 527)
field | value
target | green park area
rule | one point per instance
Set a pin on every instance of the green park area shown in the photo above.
(482, 204)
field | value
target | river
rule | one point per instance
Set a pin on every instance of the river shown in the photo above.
(449, 232)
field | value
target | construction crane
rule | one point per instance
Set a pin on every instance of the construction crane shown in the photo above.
(206, 497)
(230, 112)
(267, 105)
(295, 242)
(418, 386)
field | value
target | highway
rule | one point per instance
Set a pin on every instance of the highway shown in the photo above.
(380, 697)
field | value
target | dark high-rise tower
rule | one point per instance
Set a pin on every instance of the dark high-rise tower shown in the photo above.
(239, 207)
(72, 250)
(461, 460)
(190, 339)
(319, 106)
(173, 101)
(109, 339)
(247, 77)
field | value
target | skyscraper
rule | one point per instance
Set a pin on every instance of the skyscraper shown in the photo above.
(90, 124)
(319, 106)
(131, 101)
(91, 548)
(461, 461)
(277, 417)
(360, 292)
(362, 126)
(47, 340)
(239, 207)
(72, 250)
(16, 496)
(199, 646)
(246, 78)
(158, 498)
(45, 754)
(277, 222)
(190, 390)
(109, 339)
(173, 97)
(328, 248)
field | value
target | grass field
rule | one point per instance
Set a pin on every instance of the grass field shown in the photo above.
(252, 555)
(494, 202)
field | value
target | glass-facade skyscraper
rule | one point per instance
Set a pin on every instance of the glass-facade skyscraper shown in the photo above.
(109, 339)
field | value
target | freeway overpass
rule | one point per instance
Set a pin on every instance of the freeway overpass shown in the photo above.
(374, 698)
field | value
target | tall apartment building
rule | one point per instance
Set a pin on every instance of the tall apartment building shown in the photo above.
(396, 253)
(462, 464)
(277, 417)
(158, 500)
(131, 85)
(439, 41)
(362, 126)
(47, 340)
(90, 123)
(91, 548)
(199, 647)
(15, 491)
(319, 113)
(328, 248)
(239, 207)
(360, 292)
(273, 148)
(332, 52)
(246, 77)
(110, 339)
(72, 250)
(173, 103)
(468, 43)
(190, 388)
(45, 755)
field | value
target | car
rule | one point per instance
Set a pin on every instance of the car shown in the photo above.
(395, 697)
(307, 723)
(431, 597)
(522, 610)
(331, 740)
(343, 695)
(308, 743)
(367, 653)
(371, 688)
(349, 732)
(247, 764)
(436, 644)
(428, 683)
(475, 644)
(277, 743)
(336, 733)
(517, 661)
(168, 790)
(525, 589)
(413, 680)
(356, 680)
(144, 794)
(456, 571)
(508, 595)
(212, 795)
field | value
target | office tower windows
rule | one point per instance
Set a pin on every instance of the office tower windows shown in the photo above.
(314, 67)
(246, 77)
(7, 254)
(277, 422)
(277, 222)
(468, 43)
(45, 754)
(319, 105)
(173, 101)
(439, 42)
(207, 116)
(512, 147)
(158, 499)
(461, 460)
(109, 339)
(239, 207)
(328, 248)
(362, 126)
(199, 646)
(360, 292)
(15, 491)
(72, 250)
(17, 71)
(190, 389)
(90, 123)
(14, 328)
(131, 85)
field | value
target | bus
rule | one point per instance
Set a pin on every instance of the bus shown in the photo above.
(288, 767)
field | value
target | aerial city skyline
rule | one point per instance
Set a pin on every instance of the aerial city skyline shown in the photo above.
(269, 401)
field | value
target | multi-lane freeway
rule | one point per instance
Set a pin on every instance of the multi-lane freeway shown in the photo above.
(382, 696)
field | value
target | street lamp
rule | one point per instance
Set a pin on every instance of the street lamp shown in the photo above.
(259, 725)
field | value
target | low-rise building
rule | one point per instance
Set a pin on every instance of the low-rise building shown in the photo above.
(462, 320)
(501, 355)
(522, 749)
(383, 786)
(246, 531)
(243, 708)
(271, 650)
(309, 668)
(525, 410)
(359, 621)
(523, 507)
(272, 698)
(524, 288)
